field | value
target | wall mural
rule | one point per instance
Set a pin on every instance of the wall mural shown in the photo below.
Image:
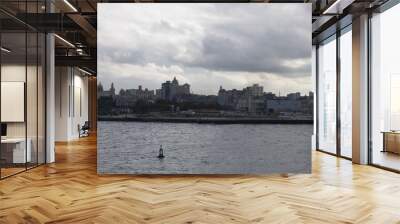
(204, 88)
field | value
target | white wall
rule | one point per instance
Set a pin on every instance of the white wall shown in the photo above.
(314, 89)
(80, 112)
(16, 73)
(71, 94)
(62, 82)
(33, 125)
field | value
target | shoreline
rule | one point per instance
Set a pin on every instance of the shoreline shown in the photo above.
(205, 120)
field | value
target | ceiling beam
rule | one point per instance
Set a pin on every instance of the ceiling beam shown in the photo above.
(84, 24)
(78, 61)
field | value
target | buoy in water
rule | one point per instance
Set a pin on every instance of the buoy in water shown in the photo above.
(161, 153)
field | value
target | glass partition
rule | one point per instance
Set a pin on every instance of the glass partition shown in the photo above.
(31, 97)
(22, 78)
(346, 93)
(13, 94)
(41, 97)
(327, 95)
(385, 89)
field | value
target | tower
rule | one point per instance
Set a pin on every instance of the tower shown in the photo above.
(99, 88)
(112, 89)
(175, 81)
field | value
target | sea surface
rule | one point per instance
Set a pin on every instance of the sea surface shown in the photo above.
(190, 148)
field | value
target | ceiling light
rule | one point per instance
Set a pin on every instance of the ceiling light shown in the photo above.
(64, 40)
(337, 7)
(70, 5)
(5, 50)
(84, 71)
(79, 51)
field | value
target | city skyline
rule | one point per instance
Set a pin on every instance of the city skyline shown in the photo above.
(249, 100)
(207, 45)
(144, 88)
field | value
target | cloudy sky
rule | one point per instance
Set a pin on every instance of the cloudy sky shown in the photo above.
(205, 45)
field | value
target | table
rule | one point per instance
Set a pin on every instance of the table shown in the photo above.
(19, 155)
(391, 141)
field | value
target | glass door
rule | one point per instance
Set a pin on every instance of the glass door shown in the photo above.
(346, 92)
(385, 89)
(327, 95)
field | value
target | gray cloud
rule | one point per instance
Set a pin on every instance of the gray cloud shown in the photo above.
(224, 41)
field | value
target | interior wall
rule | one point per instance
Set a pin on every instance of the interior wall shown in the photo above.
(15, 73)
(32, 124)
(71, 102)
(62, 81)
(92, 110)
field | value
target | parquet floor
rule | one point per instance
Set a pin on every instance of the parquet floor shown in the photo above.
(70, 191)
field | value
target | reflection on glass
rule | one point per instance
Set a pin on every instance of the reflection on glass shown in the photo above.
(386, 89)
(14, 153)
(346, 94)
(22, 92)
(327, 96)
(394, 102)
(41, 98)
(31, 101)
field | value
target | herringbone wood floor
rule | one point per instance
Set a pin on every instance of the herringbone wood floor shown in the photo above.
(70, 191)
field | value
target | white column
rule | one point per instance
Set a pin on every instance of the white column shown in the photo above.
(360, 90)
(50, 99)
(50, 92)
(314, 89)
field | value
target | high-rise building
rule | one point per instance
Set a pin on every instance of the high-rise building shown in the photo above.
(254, 90)
(170, 90)
(105, 93)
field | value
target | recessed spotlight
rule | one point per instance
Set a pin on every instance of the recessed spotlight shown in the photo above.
(70, 5)
(84, 71)
(64, 40)
(5, 50)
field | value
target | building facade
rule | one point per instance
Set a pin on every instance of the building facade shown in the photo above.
(171, 90)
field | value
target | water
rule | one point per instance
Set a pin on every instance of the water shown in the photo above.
(132, 148)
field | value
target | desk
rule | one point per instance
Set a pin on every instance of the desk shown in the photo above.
(391, 141)
(19, 155)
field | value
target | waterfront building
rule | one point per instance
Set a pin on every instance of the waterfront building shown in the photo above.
(257, 105)
(170, 90)
(294, 96)
(228, 98)
(105, 93)
(140, 93)
(255, 90)
(250, 99)
(158, 94)
(293, 102)
(254, 105)
(282, 105)
(129, 97)
(242, 104)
